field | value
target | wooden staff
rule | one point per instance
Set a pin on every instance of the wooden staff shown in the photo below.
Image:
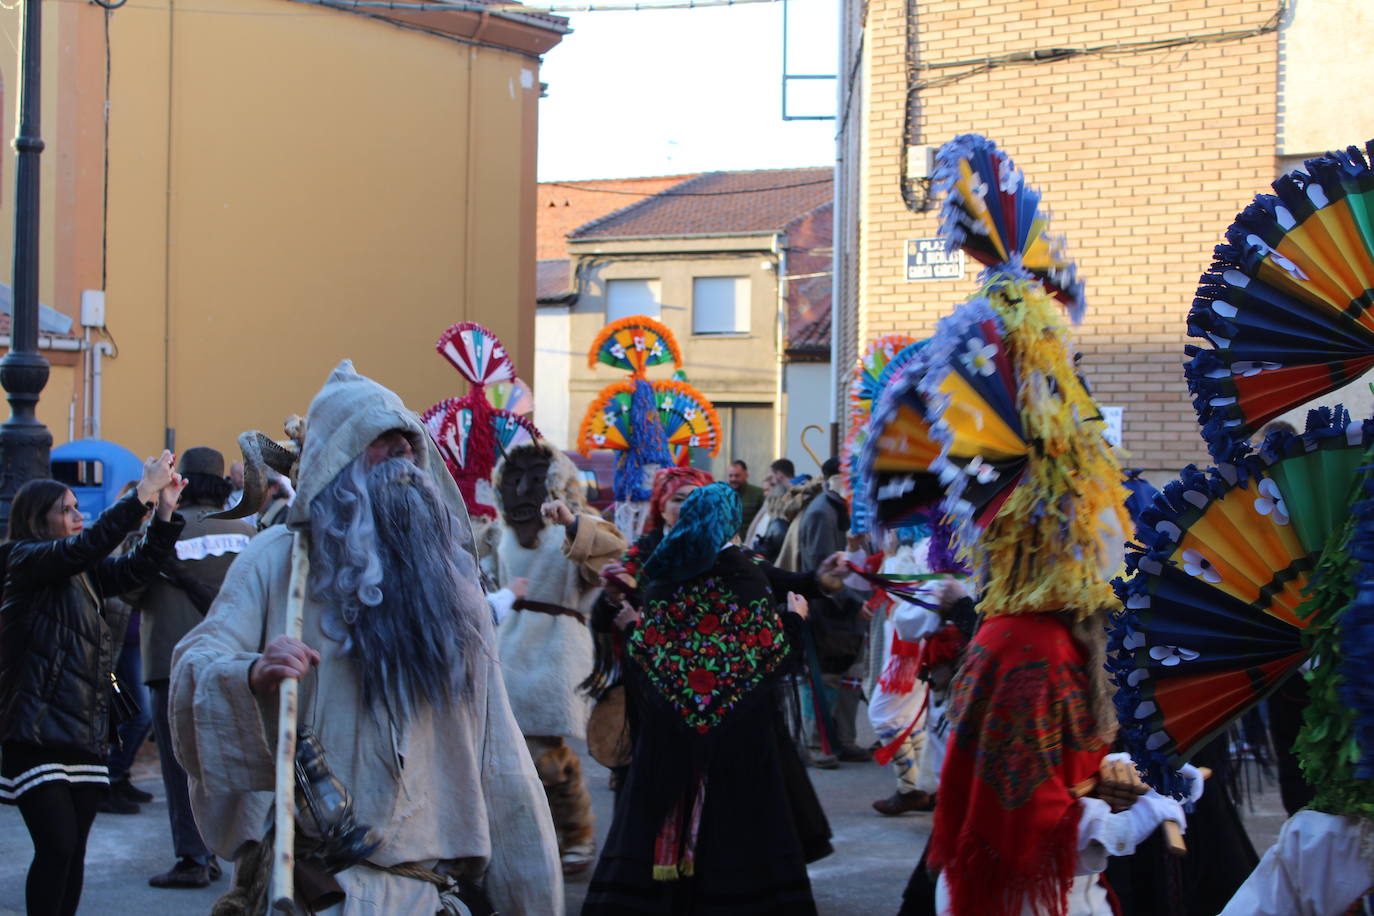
(814, 456)
(283, 891)
(1173, 836)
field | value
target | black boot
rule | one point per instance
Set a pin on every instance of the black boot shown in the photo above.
(130, 791)
(187, 873)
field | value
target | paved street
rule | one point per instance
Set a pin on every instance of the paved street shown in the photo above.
(873, 855)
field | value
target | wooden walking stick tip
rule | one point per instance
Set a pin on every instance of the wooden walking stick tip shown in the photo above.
(1173, 839)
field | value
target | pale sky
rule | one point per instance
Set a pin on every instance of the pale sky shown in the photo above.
(660, 92)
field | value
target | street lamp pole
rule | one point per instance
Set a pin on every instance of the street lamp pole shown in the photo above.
(25, 442)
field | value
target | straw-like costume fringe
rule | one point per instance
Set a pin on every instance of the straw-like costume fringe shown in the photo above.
(1045, 550)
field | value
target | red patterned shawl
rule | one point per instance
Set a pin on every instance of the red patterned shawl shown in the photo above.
(1006, 826)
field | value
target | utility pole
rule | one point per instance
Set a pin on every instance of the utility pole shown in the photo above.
(24, 442)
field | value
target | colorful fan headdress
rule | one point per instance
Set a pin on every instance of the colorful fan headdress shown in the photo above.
(1262, 566)
(1286, 303)
(879, 364)
(992, 214)
(643, 419)
(993, 420)
(1238, 569)
(473, 432)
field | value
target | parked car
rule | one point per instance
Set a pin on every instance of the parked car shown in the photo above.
(598, 473)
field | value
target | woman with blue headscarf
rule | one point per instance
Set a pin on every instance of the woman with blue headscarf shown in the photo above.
(717, 814)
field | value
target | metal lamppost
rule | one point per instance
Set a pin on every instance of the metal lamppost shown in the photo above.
(25, 442)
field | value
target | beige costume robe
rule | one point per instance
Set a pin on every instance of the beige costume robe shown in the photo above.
(456, 783)
(546, 657)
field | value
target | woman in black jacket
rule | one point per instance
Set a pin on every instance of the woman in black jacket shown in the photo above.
(57, 652)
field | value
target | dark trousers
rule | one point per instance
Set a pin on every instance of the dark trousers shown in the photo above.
(185, 835)
(1286, 706)
(132, 734)
(59, 816)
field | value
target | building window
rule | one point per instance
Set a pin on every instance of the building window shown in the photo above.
(746, 433)
(720, 305)
(631, 297)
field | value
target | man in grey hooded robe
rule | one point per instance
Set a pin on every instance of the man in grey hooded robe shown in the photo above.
(400, 675)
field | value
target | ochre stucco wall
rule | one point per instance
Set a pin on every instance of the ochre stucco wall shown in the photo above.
(289, 185)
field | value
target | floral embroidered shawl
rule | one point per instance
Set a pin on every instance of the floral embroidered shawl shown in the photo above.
(707, 642)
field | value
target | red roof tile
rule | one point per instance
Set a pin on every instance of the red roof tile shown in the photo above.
(809, 282)
(719, 203)
(565, 205)
(551, 280)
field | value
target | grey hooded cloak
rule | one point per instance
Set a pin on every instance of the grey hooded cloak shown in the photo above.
(457, 783)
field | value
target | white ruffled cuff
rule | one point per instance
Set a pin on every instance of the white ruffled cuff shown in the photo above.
(502, 603)
(1102, 833)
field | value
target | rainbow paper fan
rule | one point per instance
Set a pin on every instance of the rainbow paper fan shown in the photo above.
(634, 344)
(687, 418)
(433, 420)
(1216, 600)
(475, 431)
(514, 396)
(947, 426)
(992, 214)
(512, 430)
(882, 360)
(476, 353)
(878, 357)
(850, 461)
(1286, 302)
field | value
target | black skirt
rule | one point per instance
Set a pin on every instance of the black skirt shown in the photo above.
(761, 821)
(27, 766)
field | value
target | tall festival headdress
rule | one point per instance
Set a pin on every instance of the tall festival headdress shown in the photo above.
(1287, 305)
(879, 364)
(1260, 568)
(473, 432)
(992, 420)
(642, 419)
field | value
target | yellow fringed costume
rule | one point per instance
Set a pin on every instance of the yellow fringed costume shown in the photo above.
(1049, 548)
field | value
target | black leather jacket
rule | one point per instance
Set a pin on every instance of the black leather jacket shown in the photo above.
(56, 645)
(768, 543)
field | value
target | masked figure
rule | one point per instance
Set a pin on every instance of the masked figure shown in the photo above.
(400, 675)
(551, 541)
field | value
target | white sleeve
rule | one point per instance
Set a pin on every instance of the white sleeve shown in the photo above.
(1319, 865)
(1102, 833)
(913, 622)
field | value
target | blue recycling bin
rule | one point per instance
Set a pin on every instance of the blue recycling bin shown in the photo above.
(96, 470)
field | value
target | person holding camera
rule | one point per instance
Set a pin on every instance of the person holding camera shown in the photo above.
(59, 699)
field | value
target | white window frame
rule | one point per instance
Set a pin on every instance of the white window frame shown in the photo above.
(710, 308)
(640, 296)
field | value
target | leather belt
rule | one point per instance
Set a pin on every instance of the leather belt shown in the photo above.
(553, 610)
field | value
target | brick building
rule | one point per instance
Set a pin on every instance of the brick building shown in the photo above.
(1147, 125)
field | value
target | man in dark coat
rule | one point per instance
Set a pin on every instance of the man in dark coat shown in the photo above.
(837, 622)
(171, 607)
